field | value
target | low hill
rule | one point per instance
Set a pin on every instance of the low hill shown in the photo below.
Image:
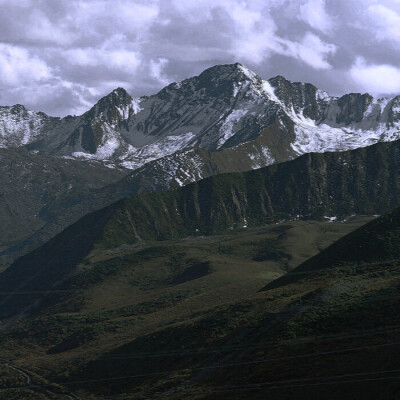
(330, 331)
(374, 243)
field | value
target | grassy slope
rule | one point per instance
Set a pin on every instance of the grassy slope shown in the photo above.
(376, 242)
(136, 291)
(329, 334)
(111, 247)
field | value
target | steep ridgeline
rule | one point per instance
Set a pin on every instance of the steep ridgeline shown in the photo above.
(314, 186)
(19, 126)
(321, 186)
(34, 188)
(32, 226)
(224, 107)
(186, 166)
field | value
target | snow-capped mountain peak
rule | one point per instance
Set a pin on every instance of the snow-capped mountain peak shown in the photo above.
(225, 107)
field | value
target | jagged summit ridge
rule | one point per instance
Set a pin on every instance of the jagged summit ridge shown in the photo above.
(19, 126)
(226, 106)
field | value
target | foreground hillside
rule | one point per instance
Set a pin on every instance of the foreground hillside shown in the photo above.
(115, 295)
(176, 294)
(202, 318)
(332, 333)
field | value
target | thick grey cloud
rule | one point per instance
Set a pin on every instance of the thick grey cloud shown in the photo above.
(62, 56)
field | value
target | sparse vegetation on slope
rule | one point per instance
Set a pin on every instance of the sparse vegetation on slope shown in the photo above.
(114, 295)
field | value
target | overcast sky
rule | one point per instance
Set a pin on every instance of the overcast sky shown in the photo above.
(61, 56)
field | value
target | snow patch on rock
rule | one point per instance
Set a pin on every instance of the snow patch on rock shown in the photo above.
(331, 219)
(111, 141)
(132, 108)
(19, 126)
(250, 74)
(136, 157)
(227, 128)
(322, 96)
(261, 157)
(320, 138)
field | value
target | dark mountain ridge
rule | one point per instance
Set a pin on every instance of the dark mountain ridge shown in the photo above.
(313, 186)
(33, 188)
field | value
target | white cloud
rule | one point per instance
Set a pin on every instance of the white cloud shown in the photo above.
(63, 96)
(83, 49)
(254, 47)
(314, 14)
(252, 27)
(117, 58)
(244, 17)
(123, 59)
(133, 14)
(40, 28)
(376, 79)
(256, 36)
(19, 3)
(311, 50)
(157, 70)
(97, 18)
(79, 20)
(255, 32)
(386, 20)
(195, 11)
(18, 67)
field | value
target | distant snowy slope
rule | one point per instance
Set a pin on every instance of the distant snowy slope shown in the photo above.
(225, 107)
(324, 123)
(19, 126)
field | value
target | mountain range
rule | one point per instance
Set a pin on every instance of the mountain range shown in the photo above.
(221, 237)
(224, 107)
(227, 119)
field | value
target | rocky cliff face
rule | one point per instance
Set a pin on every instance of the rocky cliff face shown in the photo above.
(225, 107)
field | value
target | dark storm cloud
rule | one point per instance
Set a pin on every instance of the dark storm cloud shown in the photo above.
(62, 56)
